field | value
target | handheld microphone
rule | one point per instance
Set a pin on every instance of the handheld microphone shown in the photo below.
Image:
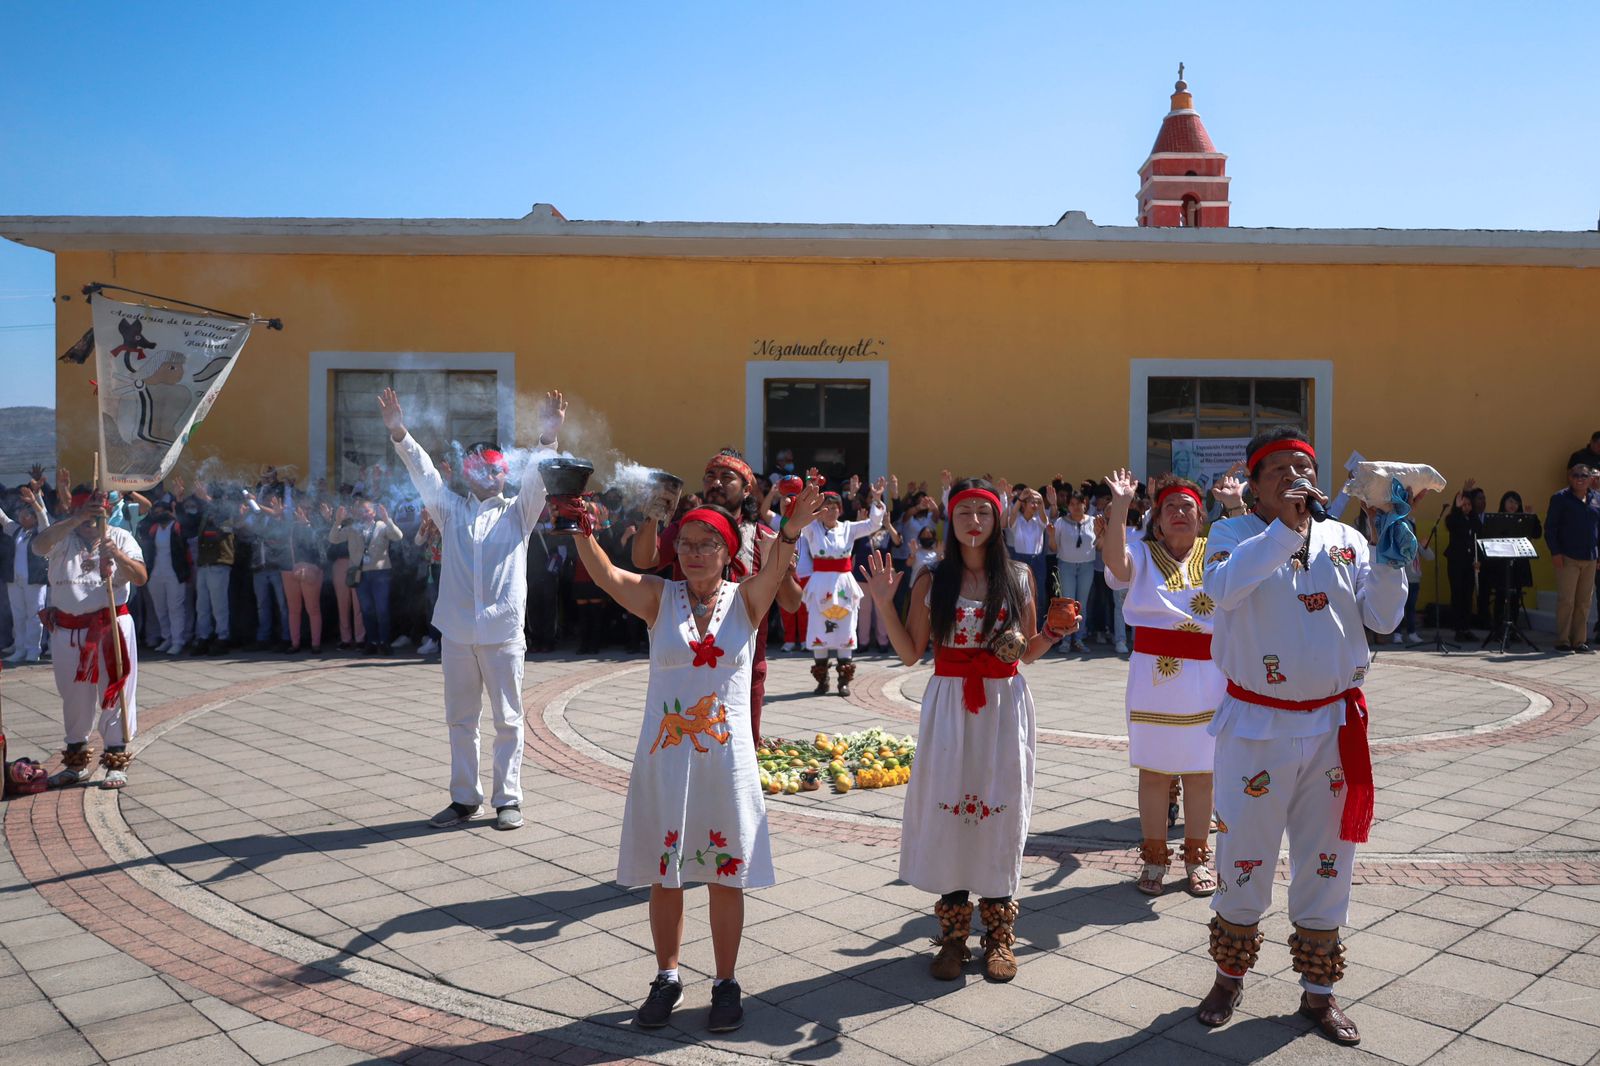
(1318, 511)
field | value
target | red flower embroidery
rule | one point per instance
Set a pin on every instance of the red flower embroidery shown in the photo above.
(672, 837)
(663, 866)
(978, 614)
(960, 638)
(961, 612)
(972, 808)
(706, 652)
(718, 840)
(728, 866)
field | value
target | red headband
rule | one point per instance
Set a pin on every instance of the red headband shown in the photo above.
(980, 494)
(1278, 446)
(734, 463)
(81, 498)
(724, 528)
(489, 457)
(1186, 490)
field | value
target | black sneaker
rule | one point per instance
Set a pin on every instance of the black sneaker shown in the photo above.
(726, 1014)
(665, 994)
(1563, 647)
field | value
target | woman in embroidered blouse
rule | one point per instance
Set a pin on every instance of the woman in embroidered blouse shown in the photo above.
(695, 810)
(971, 794)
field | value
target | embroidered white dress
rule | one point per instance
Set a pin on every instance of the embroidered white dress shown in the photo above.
(1170, 700)
(971, 793)
(695, 810)
(832, 598)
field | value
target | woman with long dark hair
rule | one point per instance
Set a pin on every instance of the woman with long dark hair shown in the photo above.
(970, 798)
(1464, 523)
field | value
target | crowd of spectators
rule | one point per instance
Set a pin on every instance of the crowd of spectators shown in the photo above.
(271, 565)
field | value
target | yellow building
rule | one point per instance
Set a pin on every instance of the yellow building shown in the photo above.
(1022, 351)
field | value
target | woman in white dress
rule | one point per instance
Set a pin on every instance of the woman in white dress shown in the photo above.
(831, 596)
(971, 794)
(695, 810)
(1173, 686)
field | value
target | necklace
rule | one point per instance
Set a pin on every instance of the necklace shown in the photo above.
(702, 607)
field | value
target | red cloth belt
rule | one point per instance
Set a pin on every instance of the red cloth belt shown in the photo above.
(1173, 643)
(830, 566)
(97, 646)
(1354, 753)
(972, 665)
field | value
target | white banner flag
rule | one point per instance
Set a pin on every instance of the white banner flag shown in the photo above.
(159, 372)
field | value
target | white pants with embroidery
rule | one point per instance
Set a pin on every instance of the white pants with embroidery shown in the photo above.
(469, 669)
(80, 700)
(1265, 788)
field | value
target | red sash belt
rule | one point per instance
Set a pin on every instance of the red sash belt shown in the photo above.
(1173, 643)
(830, 566)
(96, 646)
(1354, 753)
(972, 665)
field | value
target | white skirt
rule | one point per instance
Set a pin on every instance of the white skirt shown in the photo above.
(1170, 703)
(971, 794)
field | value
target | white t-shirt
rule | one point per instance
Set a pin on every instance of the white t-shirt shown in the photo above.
(1075, 541)
(1027, 535)
(75, 582)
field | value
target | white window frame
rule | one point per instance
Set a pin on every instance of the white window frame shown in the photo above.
(1318, 371)
(875, 372)
(323, 364)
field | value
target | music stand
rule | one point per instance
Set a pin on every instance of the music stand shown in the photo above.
(1507, 537)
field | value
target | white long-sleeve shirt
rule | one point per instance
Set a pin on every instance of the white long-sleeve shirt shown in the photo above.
(483, 564)
(1291, 633)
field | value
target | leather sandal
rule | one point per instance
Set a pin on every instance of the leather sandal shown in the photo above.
(1331, 1020)
(1217, 1008)
(1157, 859)
(1202, 882)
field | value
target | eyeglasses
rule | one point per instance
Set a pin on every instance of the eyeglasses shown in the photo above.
(699, 547)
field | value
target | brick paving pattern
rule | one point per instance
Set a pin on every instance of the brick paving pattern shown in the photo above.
(265, 891)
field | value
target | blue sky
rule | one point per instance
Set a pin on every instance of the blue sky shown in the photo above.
(1467, 115)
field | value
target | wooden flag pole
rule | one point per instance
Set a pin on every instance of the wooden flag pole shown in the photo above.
(116, 627)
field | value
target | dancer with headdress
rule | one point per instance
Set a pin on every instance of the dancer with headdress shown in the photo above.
(971, 796)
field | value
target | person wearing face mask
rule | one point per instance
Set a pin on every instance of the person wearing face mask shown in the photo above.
(785, 464)
(969, 802)
(927, 553)
(832, 597)
(1292, 597)
(483, 594)
(161, 541)
(1173, 686)
(727, 482)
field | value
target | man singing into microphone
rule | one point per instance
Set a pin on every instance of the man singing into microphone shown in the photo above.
(1292, 596)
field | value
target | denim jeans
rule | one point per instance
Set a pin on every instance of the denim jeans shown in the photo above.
(1037, 566)
(269, 591)
(1077, 581)
(374, 595)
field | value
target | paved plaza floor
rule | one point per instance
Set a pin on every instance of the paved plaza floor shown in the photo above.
(266, 890)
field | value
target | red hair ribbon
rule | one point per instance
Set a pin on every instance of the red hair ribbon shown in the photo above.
(980, 494)
(724, 528)
(487, 457)
(1278, 446)
(1186, 490)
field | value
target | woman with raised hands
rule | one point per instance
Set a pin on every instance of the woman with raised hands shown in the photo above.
(1173, 686)
(695, 810)
(971, 794)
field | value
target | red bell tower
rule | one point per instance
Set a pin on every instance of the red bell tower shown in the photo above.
(1184, 182)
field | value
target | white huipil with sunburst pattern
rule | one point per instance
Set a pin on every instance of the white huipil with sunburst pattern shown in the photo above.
(1170, 700)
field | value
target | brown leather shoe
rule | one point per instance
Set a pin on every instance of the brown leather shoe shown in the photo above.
(1217, 1008)
(1334, 1023)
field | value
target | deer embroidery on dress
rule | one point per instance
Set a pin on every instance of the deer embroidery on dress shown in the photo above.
(703, 719)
